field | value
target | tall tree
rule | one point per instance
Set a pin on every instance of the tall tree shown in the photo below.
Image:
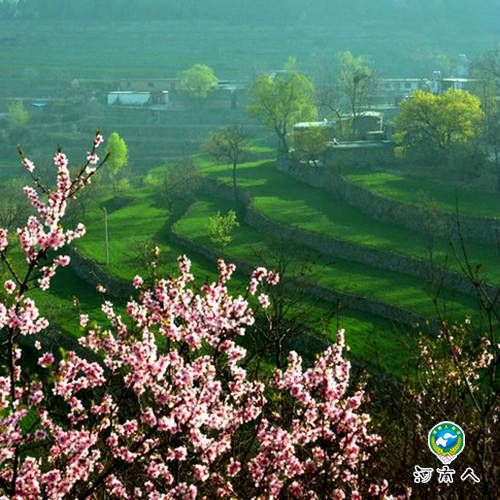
(228, 144)
(355, 81)
(279, 101)
(198, 81)
(118, 158)
(178, 186)
(438, 123)
(310, 144)
(487, 70)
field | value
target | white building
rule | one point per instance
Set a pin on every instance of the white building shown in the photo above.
(138, 98)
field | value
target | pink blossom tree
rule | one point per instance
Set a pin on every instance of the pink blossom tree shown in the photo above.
(160, 406)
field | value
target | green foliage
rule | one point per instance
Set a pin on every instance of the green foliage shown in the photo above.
(221, 227)
(281, 101)
(311, 143)
(198, 81)
(18, 115)
(438, 123)
(355, 80)
(118, 159)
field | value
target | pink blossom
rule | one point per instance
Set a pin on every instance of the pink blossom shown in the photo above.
(60, 160)
(28, 165)
(4, 241)
(234, 467)
(98, 140)
(264, 300)
(84, 319)
(92, 158)
(201, 472)
(9, 286)
(273, 278)
(46, 359)
(161, 390)
(137, 281)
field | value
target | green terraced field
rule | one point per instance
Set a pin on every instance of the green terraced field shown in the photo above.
(137, 224)
(372, 340)
(286, 200)
(415, 190)
(392, 288)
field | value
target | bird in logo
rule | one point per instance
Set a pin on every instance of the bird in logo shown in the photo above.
(442, 441)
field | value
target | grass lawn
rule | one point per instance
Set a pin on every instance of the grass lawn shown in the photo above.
(286, 200)
(57, 304)
(414, 190)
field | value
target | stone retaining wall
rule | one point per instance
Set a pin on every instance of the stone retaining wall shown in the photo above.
(361, 154)
(343, 249)
(352, 302)
(393, 211)
(90, 272)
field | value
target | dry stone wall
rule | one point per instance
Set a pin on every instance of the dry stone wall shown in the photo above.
(392, 211)
(352, 302)
(90, 272)
(328, 245)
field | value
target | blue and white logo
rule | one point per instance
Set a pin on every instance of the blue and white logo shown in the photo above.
(446, 441)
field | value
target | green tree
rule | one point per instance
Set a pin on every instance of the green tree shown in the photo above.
(198, 81)
(18, 115)
(228, 144)
(355, 81)
(437, 124)
(118, 158)
(310, 144)
(221, 227)
(280, 101)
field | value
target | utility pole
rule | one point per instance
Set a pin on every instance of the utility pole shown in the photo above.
(106, 235)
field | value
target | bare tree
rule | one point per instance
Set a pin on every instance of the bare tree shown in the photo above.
(355, 81)
(489, 63)
(291, 304)
(487, 68)
(179, 185)
(229, 144)
(455, 378)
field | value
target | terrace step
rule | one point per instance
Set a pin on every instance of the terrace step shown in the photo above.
(347, 250)
(389, 210)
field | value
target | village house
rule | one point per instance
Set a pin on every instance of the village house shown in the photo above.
(391, 91)
(134, 98)
(366, 126)
(148, 84)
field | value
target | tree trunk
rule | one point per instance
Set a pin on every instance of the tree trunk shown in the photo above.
(284, 143)
(235, 187)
